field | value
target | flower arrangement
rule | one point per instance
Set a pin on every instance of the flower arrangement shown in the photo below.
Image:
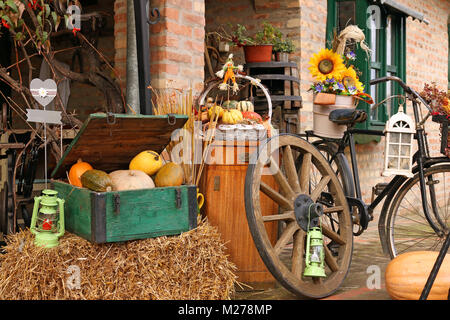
(334, 73)
(333, 69)
(438, 100)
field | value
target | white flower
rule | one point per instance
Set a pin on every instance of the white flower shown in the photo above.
(42, 92)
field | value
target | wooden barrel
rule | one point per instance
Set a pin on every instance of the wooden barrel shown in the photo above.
(223, 185)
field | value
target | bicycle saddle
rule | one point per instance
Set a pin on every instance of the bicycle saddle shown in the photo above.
(347, 116)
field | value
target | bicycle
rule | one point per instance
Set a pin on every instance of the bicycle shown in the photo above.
(318, 175)
(399, 226)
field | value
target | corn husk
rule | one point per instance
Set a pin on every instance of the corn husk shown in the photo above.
(350, 33)
(190, 266)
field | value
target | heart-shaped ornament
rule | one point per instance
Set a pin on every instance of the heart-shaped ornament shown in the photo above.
(43, 91)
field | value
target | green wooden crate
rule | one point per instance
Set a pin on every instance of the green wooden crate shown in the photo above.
(109, 143)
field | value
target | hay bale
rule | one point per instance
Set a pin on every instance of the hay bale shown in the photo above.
(190, 266)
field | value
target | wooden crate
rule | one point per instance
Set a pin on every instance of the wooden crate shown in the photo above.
(109, 143)
(223, 184)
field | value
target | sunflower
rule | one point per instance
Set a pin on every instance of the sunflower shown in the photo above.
(350, 80)
(326, 64)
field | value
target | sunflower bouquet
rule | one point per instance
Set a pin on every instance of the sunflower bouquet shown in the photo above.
(334, 73)
(333, 69)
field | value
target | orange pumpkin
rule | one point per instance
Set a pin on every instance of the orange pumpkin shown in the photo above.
(76, 171)
(407, 274)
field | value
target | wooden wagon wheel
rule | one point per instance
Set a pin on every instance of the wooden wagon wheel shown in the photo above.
(316, 180)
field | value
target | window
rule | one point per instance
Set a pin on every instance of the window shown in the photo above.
(384, 29)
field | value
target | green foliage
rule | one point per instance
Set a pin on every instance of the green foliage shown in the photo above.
(284, 45)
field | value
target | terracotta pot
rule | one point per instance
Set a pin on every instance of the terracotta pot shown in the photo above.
(259, 53)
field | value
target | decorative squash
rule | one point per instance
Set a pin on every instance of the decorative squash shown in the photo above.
(245, 105)
(170, 175)
(76, 171)
(232, 116)
(407, 274)
(252, 116)
(130, 180)
(230, 104)
(212, 112)
(96, 180)
(147, 161)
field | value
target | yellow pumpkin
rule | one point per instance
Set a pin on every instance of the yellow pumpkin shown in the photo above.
(245, 105)
(214, 110)
(232, 116)
(170, 175)
(147, 161)
(407, 274)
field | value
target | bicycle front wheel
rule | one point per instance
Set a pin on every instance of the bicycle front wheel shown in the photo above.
(407, 227)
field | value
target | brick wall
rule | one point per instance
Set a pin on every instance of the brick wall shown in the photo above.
(176, 43)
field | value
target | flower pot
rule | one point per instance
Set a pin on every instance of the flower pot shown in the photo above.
(282, 56)
(322, 126)
(258, 53)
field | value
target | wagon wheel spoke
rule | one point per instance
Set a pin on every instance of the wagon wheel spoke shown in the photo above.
(333, 235)
(291, 171)
(286, 236)
(281, 180)
(276, 196)
(305, 171)
(320, 187)
(287, 215)
(298, 249)
(330, 260)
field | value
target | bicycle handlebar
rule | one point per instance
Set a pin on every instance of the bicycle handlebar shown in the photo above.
(407, 89)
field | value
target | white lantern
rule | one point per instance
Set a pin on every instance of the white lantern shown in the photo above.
(399, 131)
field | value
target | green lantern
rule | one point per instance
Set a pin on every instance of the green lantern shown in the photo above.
(315, 255)
(47, 222)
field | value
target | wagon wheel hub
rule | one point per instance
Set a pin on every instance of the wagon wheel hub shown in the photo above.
(307, 213)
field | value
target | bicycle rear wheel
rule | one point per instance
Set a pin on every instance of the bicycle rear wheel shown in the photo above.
(407, 227)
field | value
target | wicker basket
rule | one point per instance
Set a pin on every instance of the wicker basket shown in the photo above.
(445, 136)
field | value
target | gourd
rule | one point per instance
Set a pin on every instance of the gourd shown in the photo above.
(76, 171)
(96, 180)
(245, 105)
(147, 161)
(214, 110)
(252, 116)
(170, 175)
(232, 116)
(130, 180)
(230, 104)
(407, 274)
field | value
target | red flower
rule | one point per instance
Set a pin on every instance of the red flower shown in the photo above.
(5, 24)
(74, 31)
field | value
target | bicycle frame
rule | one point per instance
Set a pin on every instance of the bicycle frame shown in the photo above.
(421, 158)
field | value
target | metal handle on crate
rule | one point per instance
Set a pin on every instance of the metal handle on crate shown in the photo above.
(254, 81)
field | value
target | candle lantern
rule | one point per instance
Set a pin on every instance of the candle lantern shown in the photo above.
(47, 222)
(315, 255)
(399, 131)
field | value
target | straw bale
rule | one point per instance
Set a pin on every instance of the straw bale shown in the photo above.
(191, 266)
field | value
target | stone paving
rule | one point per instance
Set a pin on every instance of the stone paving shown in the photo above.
(367, 259)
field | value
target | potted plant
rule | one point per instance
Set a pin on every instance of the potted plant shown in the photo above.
(336, 86)
(257, 48)
(282, 48)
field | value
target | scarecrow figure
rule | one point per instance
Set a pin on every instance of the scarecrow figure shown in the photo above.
(227, 73)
